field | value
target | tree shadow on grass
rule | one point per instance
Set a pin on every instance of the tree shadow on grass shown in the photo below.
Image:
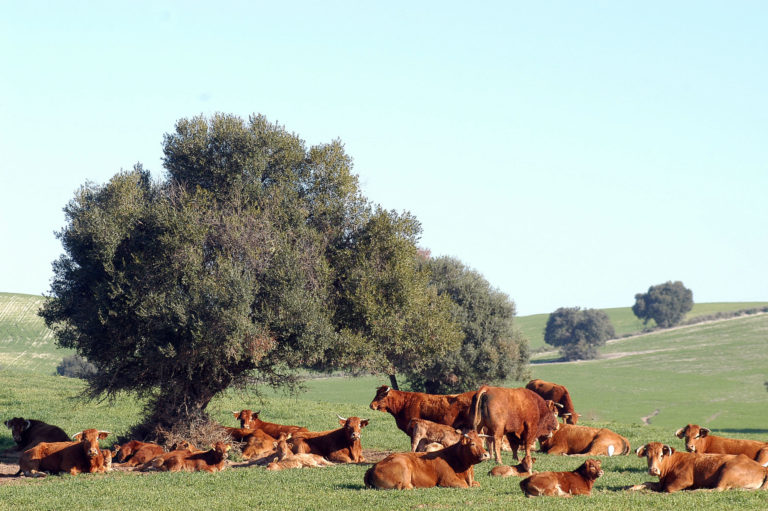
(746, 431)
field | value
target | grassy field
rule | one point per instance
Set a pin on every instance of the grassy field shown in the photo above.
(711, 374)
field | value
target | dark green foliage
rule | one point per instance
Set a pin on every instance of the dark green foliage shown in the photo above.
(666, 304)
(75, 366)
(578, 333)
(492, 349)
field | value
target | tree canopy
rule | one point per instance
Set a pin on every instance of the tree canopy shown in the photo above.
(578, 332)
(666, 304)
(253, 255)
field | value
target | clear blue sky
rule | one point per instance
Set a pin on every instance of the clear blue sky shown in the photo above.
(574, 153)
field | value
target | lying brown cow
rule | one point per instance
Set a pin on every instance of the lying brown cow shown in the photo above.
(181, 449)
(524, 469)
(557, 393)
(698, 439)
(340, 445)
(448, 409)
(519, 414)
(250, 420)
(691, 471)
(135, 453)
(570, 439)
(212, 460)
(27, 433)
(563, 484)
(286, 459)
(83, 455)
(259, 444)
(424, 432)
(452, 467)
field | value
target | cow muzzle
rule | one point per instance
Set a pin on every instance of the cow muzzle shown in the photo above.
(654, 471)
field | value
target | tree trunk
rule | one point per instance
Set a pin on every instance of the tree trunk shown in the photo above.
(393, 381)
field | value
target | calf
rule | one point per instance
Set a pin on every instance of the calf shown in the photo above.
(83, 455)
(691, 471)
(250, 420)
(570, 439)
(27, 433)
(135, 453)
(258, 444)
(563, 484)
(285, 459)
(425, 432)
(451, 467)
(212, 460)
(341, 445)
(524, 468)
(181, 449)
(698, 439)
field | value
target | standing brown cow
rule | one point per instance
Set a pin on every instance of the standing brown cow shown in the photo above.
(557, 393)
(519, 414)
(448, 409)
(698, 439)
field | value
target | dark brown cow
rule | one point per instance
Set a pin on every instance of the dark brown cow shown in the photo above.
(524, 469)
(557, 393)
(212, 460)
(519, 414)
(698, 439)
(135, 452)
(83, 455)
(448, 409)
(424, 432)
(452, 467)
(569, 439)
(340, 445)
(27, 433)
(250, 420)
(563, 484)
(691, 471)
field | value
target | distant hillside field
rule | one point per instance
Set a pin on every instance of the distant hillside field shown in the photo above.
(624, 321)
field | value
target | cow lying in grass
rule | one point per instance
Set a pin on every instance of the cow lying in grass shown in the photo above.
(524, 469)
(568, 439)
(134, 452)
(181, 449)
(27, 433)
(563, 484)
(340, 445)
(286, 459)
(698, 439)
(82, 456)
(212, 460)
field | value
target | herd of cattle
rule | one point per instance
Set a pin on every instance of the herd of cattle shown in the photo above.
(448, 437)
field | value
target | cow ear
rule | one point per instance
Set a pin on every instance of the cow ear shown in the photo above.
(103, 434)
(363, 423)
(680, 433)
(641, 451)
(236, 414)
(703, 432)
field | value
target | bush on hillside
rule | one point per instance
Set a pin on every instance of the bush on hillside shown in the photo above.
(666, 304)
(75, 366)
(578, 333)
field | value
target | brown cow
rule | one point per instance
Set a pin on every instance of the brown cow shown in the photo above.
(424, 432)
(691, 471)
(557, 393)
(212, 460)
(519, 414)
(83, 455)
(250, 420)
(569, 439)
(698, 439)
(524, 468)
(340, 445)
(286, 459)
(448, 409)
(451, 467)
(259, 444)
(563, 484)
(181, 449)
(135, 452)
(27, 433)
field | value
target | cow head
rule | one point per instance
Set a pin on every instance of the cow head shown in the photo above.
(692, 434)
(90, 440)
(590, 469)
(221, 449)
(472, 448)
(655, 452)
(18, 426)
(380, 402)
(352, 427)
(282, 448)
(246, 418)
(570, 418)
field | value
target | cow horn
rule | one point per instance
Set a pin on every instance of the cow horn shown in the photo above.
(680, 433)
(483, 435)
(341, 418)
(558, 405)
(29, 424)
(74, 437)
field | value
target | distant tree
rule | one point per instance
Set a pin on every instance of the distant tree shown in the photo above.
(75, 366)
(666, 304)
(578, 333)
(492, 349)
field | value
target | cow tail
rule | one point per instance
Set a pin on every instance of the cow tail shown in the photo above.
(764, 486)
(626, 446)
(478, 400)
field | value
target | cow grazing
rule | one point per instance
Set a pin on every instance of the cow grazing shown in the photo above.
(83, 455)
(340, 445)
(286, 459)
(524, 469)
(250, 420)
(452, 467)
(563, 484)
(424, 433)
(569, 439)
(698, 439)
(691, 471)
(519, 414)
(212, 460)
(448, 409)
(27, 433)
(135, 453)
(557, 393)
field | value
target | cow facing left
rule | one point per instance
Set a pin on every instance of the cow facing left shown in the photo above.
(27, 433)
(82, 456)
